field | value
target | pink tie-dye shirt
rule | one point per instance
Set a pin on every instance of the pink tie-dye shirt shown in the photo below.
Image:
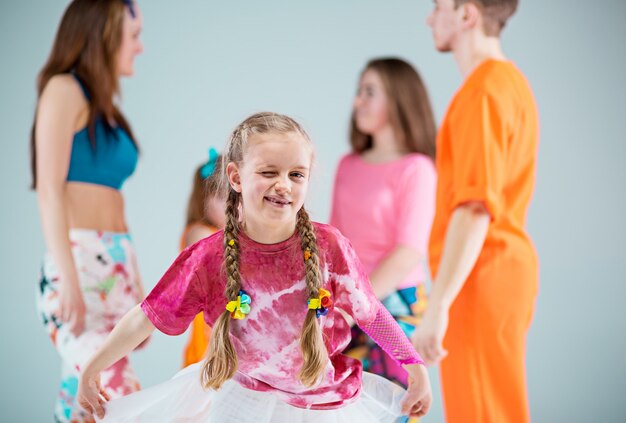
(267, 341)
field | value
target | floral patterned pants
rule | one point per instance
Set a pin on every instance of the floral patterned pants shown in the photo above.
(109, 280)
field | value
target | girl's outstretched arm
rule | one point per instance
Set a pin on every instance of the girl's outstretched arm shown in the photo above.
(130, 331)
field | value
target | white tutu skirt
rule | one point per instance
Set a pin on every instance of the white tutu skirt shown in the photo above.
(183, 400)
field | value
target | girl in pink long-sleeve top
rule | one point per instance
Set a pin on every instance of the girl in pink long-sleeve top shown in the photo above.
(277, 289)
(384, 198)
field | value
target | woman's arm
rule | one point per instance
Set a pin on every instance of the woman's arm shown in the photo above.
(130, 331)
(394, 268)
(415, 211)
(59, 109)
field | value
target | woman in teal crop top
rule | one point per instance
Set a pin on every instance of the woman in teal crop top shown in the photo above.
(82, 151)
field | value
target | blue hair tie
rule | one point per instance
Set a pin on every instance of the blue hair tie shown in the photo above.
(209, 167)
(131, 8)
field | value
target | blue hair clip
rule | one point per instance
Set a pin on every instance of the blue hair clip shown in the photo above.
(209, 167)
(131, 7)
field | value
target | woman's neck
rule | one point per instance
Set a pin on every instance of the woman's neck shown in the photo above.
(385, 147)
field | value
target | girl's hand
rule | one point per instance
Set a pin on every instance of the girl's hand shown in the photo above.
(72, 307)
(91, 397)
(428, 337)
(419, 396)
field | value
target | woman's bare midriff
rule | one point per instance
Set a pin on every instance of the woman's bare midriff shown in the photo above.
(91, 206)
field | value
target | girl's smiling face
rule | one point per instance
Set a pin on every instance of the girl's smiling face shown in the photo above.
(273, 180)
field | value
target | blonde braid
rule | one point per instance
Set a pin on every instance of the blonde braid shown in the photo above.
(311, 342)
(231, 245)
(221, 362)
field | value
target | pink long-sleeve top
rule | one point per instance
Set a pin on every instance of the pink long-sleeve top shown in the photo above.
(379, 206)
(267, 341)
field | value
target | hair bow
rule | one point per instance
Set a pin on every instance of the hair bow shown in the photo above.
(209, 167)
(239, 307)
(321, 303)
(131, 7)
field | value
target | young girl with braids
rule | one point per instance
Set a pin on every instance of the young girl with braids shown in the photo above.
(276, 288)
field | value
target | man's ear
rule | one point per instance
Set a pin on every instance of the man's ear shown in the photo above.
(234, 178)
(472, 15)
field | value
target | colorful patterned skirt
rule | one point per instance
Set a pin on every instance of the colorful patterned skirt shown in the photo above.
(108, 277)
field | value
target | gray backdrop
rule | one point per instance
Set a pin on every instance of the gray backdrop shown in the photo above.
(209, 64)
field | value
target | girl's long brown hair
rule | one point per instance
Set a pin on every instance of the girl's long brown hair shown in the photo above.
(201, 192)
(87, 43)
(221, 363)
(410, 112)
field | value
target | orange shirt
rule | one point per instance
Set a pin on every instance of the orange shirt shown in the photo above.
(487, 151)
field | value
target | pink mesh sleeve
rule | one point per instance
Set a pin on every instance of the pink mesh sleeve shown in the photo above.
(387, 334)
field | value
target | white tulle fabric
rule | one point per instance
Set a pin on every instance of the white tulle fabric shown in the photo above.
(183, 400)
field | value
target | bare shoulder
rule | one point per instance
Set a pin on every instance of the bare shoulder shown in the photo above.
(63, 90)
(196, 232)
(62, 106)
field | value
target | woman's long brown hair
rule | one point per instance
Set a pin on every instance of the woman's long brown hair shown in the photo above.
(87, 43)
(410, 113)
(221, 363)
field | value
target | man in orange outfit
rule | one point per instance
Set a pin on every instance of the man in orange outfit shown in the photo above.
(484, 263)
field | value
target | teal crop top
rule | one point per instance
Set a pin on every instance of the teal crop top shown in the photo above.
(112, 161)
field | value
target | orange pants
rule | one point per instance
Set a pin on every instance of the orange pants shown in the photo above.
(483, 377)
(198, 341)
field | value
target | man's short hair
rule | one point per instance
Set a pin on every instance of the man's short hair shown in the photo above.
(495, 13)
